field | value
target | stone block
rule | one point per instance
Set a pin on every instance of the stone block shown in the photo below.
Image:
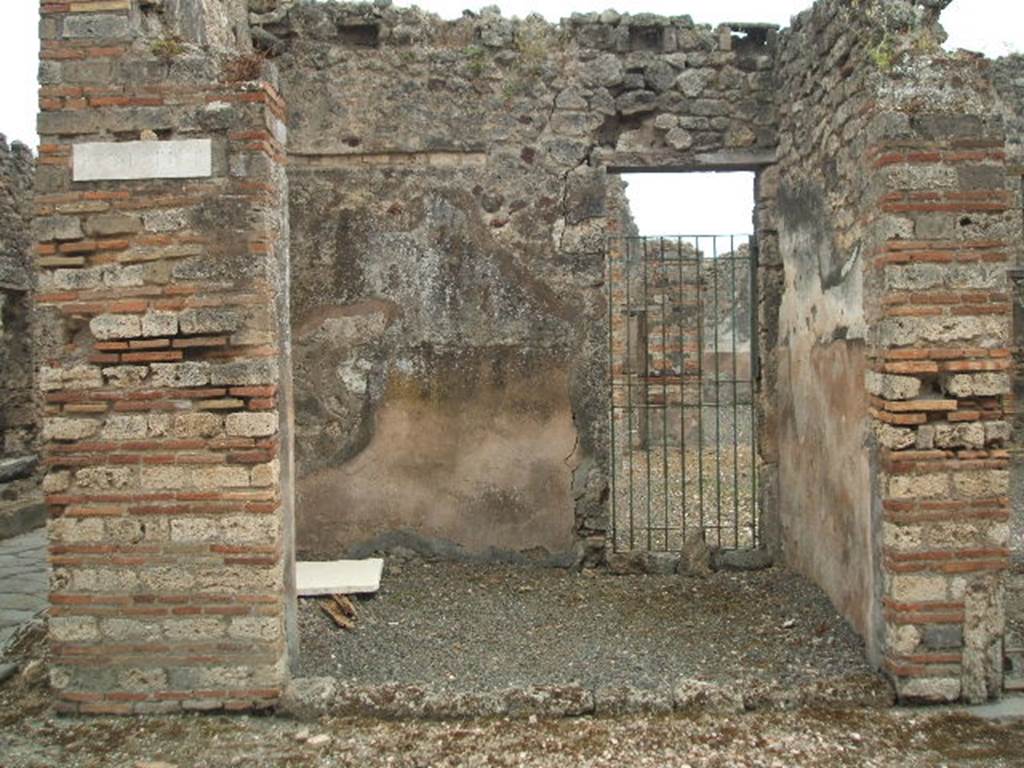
(249, 529)
(967, 435)
(61, 228)
(915, 588)
(107, 327)
(260, 628)
(96, 25)
(926, 486)
(692, 82)
(197, 425)
(103, 478)
(110, 224)
(175, 375)
(63, 428)
(165, 220)
(156, 324)
(928, 689)
(163, 477)
(73, 530)
(126, 376)
(101, 579)
(56, 481)
(125, 427)
(904, 639)
(976, 384)
(142, 679)
(890, 387)
(145, 630)
(894, 438)
(245, 373)
(982, 483)
(76, 122)
(943, 636)
(209, 321)
(194, 629)
(997, 432)
(74, 629)
(266, 475)
(252, 424)
(194, 529)
(907, 331)
(218, 477)
(138, 160)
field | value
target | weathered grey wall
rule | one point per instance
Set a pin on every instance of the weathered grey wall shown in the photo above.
(823, 474)
(1007, 76)
(448, 213)
(18, 416)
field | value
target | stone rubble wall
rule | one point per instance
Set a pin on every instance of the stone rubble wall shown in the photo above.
(1007, 76)
(17, 418)
(448, 197)
(162, 351)
(813, 225)
(19, 421)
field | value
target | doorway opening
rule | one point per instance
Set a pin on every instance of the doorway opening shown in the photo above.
(682, 289)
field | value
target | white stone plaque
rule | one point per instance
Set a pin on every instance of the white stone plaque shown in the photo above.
(137, 160)
(340, 577)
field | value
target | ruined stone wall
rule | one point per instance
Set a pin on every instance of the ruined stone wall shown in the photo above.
(18, 417)
(939, 316)
(162, 261)
(816, 216)
(897, 221)
(1007, 76)
(448, 218)
(939, 352)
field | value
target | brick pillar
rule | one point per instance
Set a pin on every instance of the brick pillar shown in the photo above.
(939, 308)
(162, 267)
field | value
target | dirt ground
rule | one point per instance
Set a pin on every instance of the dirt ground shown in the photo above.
(32, 737)
(475, 626)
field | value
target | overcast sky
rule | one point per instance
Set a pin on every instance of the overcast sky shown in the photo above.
(662, 203)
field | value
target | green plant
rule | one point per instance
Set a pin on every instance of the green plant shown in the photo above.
(167, 47)
(477, 60)
(883, 53)
(532, 44)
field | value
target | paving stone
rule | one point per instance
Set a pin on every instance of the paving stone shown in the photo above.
(24, 580)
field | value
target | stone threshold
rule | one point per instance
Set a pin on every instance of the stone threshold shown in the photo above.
(312, 697)
(21, 517)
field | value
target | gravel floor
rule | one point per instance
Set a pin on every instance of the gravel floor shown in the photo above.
(479, 627)
(31, 737)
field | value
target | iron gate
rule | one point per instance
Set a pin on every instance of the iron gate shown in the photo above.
(683, 361)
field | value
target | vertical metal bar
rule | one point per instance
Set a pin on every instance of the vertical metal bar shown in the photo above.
(718, 401)
(629, 391)
(700, 386)
(755, 374)
(735, 404)
(646, 403)
(681, 308)
(663, 282)
(610, 252)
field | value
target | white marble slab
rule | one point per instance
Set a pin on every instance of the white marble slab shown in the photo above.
(137, 160)
(338, 577)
